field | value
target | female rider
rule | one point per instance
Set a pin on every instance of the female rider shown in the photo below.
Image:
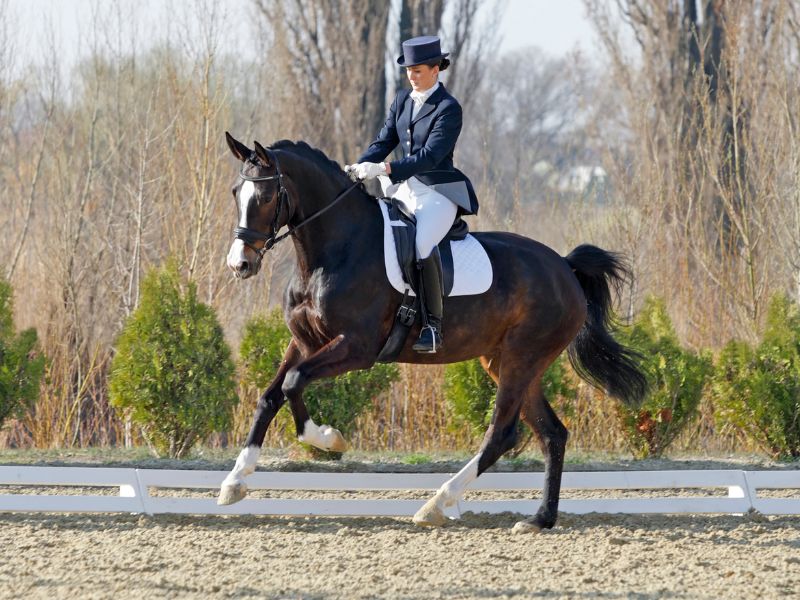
(425, 121)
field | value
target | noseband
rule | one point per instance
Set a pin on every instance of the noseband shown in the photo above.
(250, 236)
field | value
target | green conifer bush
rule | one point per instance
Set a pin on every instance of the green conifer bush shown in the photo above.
(264, 342)
(470, 392)
(21, 362)
(677, 378)
(758, 389)
(173, 371)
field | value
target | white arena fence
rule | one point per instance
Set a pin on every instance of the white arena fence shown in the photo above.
(134, 496)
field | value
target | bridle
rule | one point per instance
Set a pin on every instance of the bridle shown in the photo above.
(251, 236)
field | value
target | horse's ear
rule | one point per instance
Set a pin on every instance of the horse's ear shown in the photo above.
(261, 153)
(239, 150)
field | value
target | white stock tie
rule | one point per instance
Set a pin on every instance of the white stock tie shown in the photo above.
(419, 100)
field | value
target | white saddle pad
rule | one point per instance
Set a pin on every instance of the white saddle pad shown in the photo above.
(471, 265)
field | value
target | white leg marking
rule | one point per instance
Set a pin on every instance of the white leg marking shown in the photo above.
(431, 513)
(245, 465)
(321, 436)
(452, 490)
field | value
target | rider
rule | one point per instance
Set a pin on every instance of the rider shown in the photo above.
(425, 121)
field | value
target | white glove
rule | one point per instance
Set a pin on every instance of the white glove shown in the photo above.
(366, 170)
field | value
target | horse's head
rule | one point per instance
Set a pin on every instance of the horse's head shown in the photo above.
(262, 202)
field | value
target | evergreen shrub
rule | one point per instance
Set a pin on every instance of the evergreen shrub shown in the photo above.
(173, 371)
(758, 389)
(677, 377)
(21, 362)
(470, 393)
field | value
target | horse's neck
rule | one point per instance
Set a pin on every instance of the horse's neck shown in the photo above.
(347, 229)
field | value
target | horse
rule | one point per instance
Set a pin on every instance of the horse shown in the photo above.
(339, 307)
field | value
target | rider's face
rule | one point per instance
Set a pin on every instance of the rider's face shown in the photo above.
(422, 77)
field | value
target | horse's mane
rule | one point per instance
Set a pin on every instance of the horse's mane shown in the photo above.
(315, 155)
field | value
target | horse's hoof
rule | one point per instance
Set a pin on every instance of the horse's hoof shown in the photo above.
(231, 493)
(430, 515)
(335, 441)
(526, 527)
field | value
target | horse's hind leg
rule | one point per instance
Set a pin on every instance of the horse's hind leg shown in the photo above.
(234, 487)
(500, 437)
(539, 415)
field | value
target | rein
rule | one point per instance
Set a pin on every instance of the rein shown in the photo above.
(250, 236)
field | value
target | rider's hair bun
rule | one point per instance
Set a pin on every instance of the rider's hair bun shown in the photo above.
(442, 64)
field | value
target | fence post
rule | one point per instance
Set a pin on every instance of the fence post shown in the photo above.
(144, 494)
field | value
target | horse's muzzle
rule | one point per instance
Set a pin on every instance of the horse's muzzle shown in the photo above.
(243, 270)
(242, 265)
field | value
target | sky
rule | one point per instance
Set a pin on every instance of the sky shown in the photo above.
(555, 26)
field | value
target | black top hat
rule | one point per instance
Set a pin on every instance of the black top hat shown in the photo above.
(420, 50)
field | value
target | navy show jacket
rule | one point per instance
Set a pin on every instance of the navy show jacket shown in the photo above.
(428, 142)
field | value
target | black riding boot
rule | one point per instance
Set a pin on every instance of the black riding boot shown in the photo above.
(430, 283)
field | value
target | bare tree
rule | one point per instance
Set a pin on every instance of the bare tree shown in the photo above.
(696, 97)
(330, 55)
(473, 42)
(523, 135)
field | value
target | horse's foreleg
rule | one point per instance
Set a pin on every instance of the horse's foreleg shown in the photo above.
(234, 487)
(500, 437)
(552, 434)
(335, 358)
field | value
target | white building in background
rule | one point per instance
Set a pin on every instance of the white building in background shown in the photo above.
(580, 179)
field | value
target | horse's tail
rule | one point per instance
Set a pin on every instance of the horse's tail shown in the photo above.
(595, 355)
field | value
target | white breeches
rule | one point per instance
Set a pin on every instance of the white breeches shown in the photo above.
(435, 213)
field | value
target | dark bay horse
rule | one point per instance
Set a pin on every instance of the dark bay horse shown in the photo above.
(340, 306)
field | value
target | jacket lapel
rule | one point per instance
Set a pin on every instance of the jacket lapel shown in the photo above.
(404, 120)
(430, 104)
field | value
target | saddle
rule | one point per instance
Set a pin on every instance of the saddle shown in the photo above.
(404, 230)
